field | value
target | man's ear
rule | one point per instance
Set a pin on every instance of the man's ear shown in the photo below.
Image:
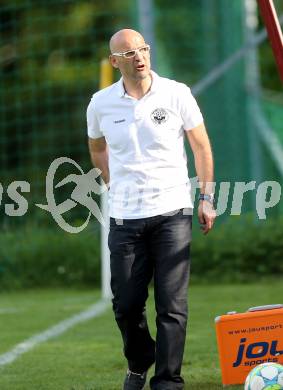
(113, 61)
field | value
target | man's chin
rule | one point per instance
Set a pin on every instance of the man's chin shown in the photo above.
(141, 75)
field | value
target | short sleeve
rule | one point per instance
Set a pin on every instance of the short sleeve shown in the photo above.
(190, 111)
(93, 128)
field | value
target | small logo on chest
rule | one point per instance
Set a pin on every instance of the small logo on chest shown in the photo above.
(120, 120)
(159, 116)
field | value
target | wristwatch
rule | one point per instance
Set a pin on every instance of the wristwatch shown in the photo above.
(208, 197)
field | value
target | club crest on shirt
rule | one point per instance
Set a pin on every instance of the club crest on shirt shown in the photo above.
(159, 116)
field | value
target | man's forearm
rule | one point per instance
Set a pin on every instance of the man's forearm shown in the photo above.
(100, 161)
(202, 151)
(205, 170)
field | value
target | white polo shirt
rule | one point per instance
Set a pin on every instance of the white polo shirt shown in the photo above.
(145, 137)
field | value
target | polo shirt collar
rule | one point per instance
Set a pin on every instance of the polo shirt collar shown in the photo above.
(154, 85)
(120, 87)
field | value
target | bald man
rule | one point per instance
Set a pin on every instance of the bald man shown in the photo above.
(136, 130)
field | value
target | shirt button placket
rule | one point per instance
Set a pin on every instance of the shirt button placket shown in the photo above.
(138, 112)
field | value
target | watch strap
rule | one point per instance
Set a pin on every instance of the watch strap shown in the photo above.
(208, 197)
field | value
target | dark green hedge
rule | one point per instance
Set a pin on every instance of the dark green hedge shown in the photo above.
(240, 249)
(243, 248)
(36, 256)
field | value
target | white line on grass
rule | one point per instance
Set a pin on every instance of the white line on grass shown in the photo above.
(56, 330)
(10, 310)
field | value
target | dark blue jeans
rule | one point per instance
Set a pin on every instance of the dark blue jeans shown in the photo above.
(140, 249)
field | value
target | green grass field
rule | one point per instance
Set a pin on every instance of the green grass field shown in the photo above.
(89, 357)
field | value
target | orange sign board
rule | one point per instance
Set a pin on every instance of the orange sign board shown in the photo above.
(248, 339)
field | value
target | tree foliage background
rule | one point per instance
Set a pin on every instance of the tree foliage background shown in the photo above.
(49, 66)
(50, 52)
(49, 61)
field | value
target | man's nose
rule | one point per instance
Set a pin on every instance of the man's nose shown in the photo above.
(138, 55)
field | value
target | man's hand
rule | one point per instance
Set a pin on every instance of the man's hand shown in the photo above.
(206, 215)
